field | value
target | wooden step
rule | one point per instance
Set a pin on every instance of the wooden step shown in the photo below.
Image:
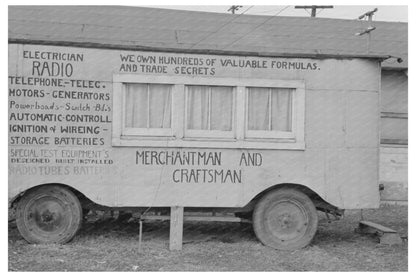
(377, 226)
(386, 235)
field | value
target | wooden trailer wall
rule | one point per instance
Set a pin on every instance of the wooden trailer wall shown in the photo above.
(66, 126)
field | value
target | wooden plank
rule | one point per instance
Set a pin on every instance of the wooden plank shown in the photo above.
(176, 228)
(198, 218)
(377, 226)
(394, 141)
(386, 235)
(216, 218)
(393, 115)
(155, 217)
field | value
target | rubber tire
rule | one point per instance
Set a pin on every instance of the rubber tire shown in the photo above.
(295, 198)
(70, 219)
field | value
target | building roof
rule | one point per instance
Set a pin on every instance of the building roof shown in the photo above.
(189, 31)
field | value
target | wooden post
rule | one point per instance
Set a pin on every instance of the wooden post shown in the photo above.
(176, 228)
(313, 8)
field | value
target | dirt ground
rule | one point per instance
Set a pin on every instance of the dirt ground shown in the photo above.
(108, 245)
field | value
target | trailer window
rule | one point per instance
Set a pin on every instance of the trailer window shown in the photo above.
(180, 111)
(269, 112)
(147, 108)
(209, 111)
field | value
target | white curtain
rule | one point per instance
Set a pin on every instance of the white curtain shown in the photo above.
(258, 109)
(221, 108)
(136, 106)
(160, 106)
(262, 101)
(281, 109)
(198, 107)
(148, 106)
(210, 108)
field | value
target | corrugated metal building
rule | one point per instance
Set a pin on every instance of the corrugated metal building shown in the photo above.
(166, 30)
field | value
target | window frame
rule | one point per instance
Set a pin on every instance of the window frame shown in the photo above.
(240, 139)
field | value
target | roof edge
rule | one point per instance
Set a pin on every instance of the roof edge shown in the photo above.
(97, 45)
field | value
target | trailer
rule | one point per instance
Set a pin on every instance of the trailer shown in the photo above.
(272, 138)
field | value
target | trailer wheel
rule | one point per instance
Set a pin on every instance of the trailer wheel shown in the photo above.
(285, 219)
(48, 214)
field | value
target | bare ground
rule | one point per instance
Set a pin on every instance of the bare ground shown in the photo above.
(108, 245)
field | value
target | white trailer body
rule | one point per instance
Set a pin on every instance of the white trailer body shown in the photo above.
(158, 129)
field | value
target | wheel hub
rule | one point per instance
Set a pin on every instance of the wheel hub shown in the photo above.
(287, 220)
(47, 215)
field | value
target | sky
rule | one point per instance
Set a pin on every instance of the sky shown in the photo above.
(384, 13)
